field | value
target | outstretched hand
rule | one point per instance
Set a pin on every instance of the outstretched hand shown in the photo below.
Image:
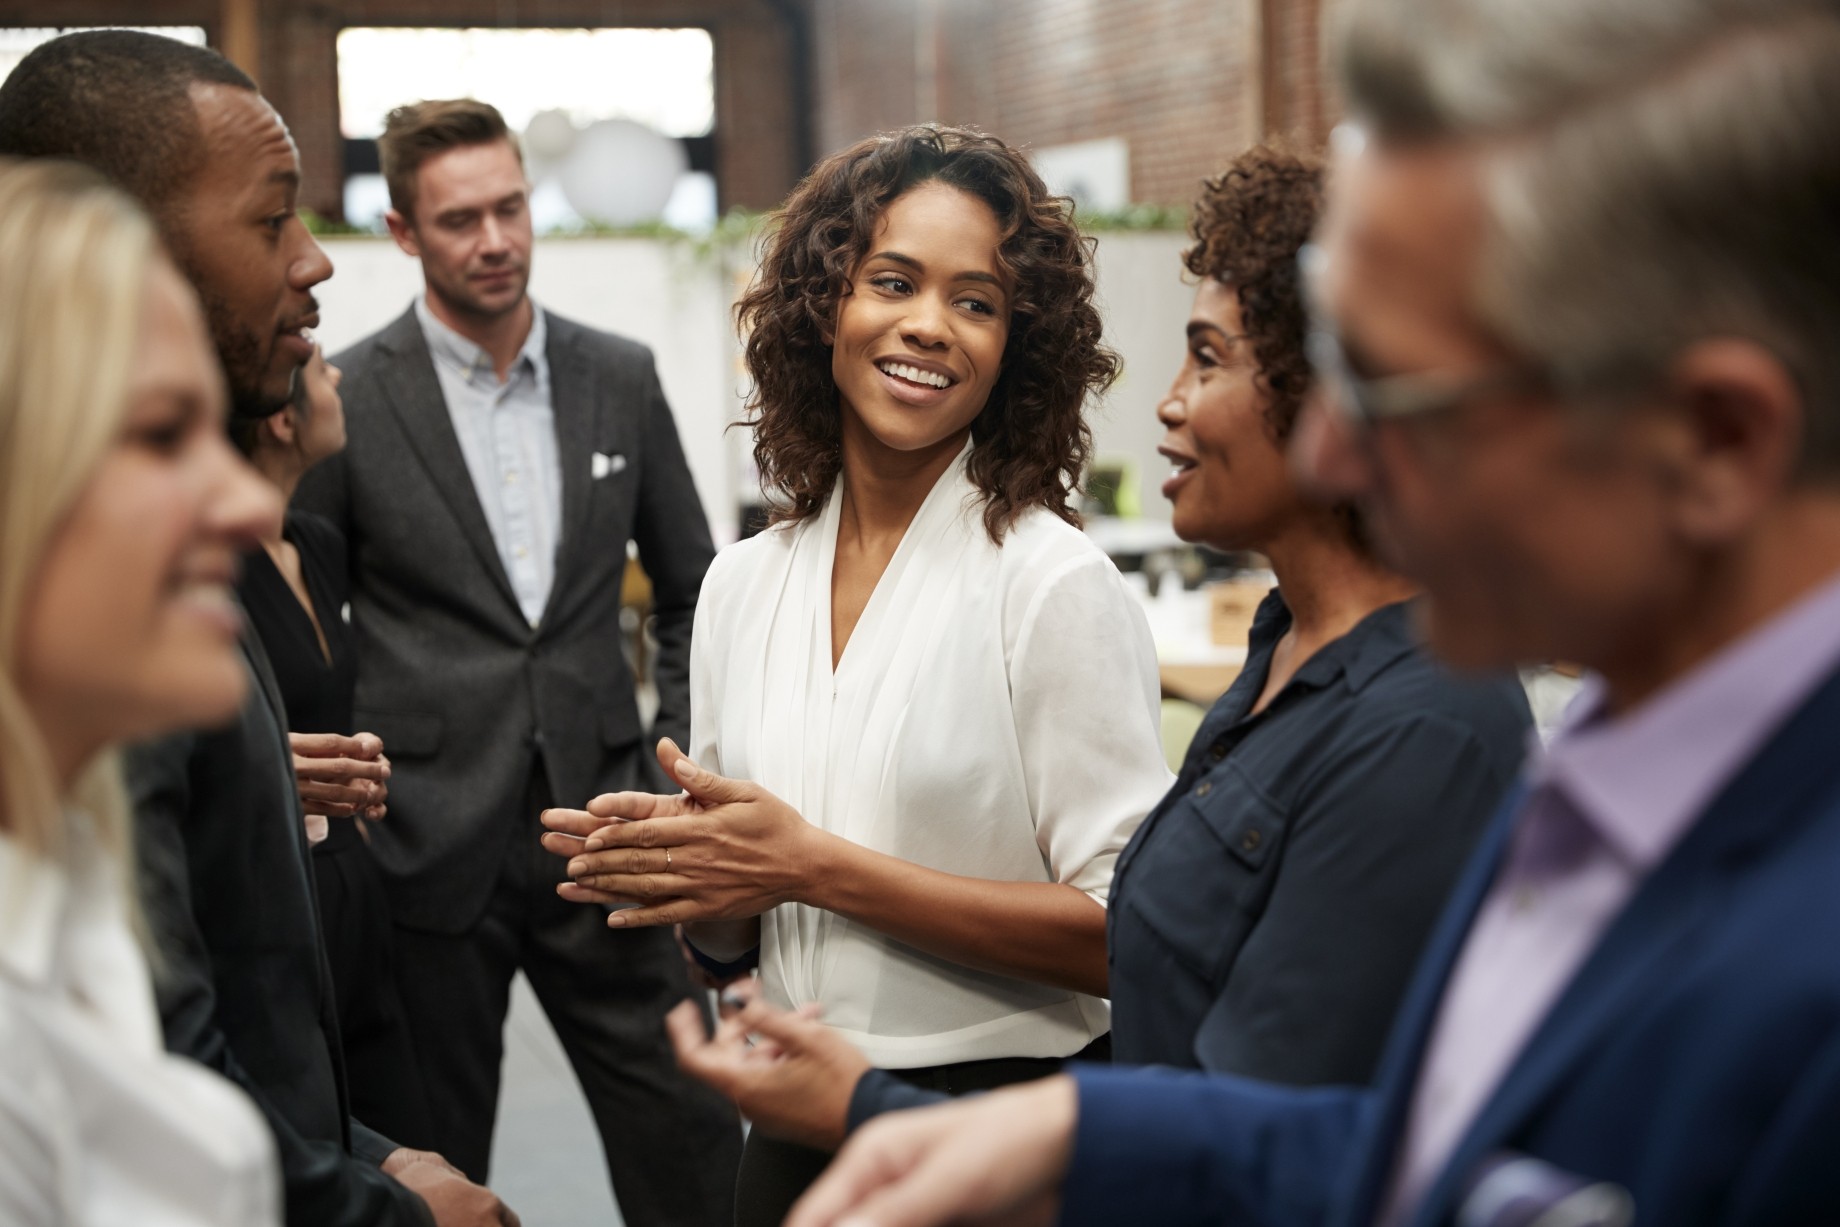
(788, 1073)
(721, 850)
(996, 1159)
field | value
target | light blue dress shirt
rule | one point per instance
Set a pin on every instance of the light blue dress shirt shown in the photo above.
(507, 432)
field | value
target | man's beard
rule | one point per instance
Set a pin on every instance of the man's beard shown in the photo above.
(239, 350)
(244, 361)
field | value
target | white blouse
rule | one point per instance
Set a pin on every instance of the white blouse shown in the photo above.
(99, 1127)
(994, 715)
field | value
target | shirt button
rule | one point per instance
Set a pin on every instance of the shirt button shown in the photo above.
(511, 477)
(1217, 751)
(1203, 788)
(1251, 840)
(521, 552)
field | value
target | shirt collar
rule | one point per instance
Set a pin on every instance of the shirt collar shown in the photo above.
(33, 891)
(472, 362)
(1641, 778)
(1373, 643)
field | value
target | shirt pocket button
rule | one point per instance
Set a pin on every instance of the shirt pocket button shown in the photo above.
(1251, 840)
(1203, 788)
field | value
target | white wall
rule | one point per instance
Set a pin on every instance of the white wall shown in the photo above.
(678, 302)
(655, 292)
(1145, 305)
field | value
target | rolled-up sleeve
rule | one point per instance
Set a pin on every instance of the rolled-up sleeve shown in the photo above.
(1084, 689)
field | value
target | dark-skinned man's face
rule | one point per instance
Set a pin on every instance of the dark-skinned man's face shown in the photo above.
(237, 236)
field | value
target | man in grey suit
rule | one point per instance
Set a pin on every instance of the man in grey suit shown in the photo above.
(500, 460)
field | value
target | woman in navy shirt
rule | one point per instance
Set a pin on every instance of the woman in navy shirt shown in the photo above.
(1266, 916)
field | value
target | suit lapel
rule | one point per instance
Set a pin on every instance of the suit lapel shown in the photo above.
(413, 391)
(574, 398)
(264, 673)
(265, 679)
(1646, 942)
(1640, 950)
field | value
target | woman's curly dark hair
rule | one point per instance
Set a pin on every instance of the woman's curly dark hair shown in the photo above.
(1030, 443)
(1249, 224)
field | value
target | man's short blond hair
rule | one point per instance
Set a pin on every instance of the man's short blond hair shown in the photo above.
(414, 133)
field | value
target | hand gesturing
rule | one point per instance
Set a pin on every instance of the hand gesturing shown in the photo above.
(720, 850)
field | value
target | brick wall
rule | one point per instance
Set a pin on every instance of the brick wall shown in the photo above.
(1186, 82)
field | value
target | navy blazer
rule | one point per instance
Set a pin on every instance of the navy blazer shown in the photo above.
(1694, 1059)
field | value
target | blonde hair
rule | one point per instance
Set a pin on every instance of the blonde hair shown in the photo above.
(74, 257)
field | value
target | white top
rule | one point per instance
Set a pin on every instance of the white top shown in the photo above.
(99, 1127)
(995, 715)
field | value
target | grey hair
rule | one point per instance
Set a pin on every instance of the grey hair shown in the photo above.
(1656, 172)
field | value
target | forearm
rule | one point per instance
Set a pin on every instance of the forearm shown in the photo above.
(1180, 1147)
(1047, 932)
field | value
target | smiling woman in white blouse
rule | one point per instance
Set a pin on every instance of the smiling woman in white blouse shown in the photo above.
(940, 695)
(122, 511)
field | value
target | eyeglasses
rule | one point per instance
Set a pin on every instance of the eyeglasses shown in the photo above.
(1362, 403)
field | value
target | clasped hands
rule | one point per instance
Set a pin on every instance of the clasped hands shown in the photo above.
(720, 850)
(339, 777)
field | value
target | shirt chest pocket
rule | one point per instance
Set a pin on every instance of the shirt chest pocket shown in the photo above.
(1205, 872)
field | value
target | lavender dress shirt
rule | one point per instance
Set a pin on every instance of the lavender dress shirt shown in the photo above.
(1608, 800)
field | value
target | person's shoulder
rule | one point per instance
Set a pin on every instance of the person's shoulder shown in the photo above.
(356, 360)
(1040, 546)
(608, 347)
(1042, 554)
(1052, 575)
(1416, 688)
(314, 532)
(736, 566)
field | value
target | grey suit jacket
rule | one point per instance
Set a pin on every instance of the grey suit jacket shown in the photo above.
(460, 687)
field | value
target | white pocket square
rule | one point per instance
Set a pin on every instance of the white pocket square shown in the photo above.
(602, 465)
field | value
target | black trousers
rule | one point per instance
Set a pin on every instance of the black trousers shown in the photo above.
(672, 1145)
(776, 1173)
(381, 1066)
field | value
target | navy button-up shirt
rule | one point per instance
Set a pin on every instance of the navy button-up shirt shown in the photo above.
(1267, 915)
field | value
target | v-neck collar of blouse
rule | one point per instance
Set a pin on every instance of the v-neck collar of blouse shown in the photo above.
(260, 557)
(931, 507)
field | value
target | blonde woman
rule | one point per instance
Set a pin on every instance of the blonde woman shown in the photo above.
(122, 512)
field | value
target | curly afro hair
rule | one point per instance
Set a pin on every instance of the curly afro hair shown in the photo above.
(1030, 444)
(1249, 224)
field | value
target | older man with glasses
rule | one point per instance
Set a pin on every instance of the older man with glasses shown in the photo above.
(1579, 286)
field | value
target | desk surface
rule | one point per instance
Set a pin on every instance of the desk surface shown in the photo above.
(1198, 684)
